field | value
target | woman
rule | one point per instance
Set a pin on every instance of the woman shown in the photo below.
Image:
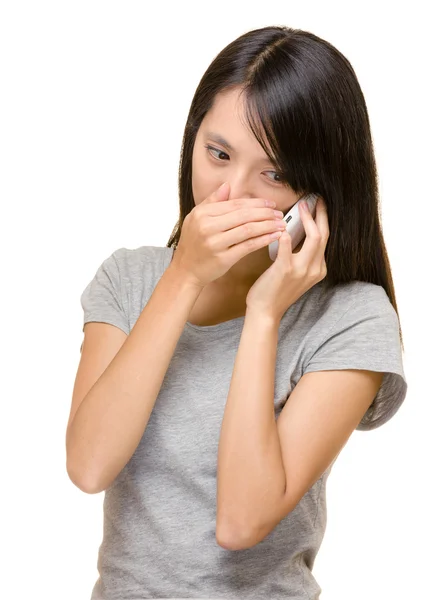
(217, 387)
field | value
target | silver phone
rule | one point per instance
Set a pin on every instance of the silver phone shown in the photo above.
(294, 224)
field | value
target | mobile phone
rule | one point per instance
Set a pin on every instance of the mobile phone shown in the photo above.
(294, 224)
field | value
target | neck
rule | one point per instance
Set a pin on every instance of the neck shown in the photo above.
(243, 274)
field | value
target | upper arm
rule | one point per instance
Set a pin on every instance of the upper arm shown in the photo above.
(316, 422)
(101, 343)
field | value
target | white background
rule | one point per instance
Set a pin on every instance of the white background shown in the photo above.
(94, 99)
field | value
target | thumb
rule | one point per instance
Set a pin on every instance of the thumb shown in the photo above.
(220, 194)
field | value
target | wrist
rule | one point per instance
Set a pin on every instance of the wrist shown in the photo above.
(266, 319)
(184, 277)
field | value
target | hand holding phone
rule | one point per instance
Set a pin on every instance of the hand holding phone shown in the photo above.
(214, 235)
(294, 225)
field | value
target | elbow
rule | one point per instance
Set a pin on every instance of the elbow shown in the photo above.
(83, 481)
(231, 538)
(81, 474)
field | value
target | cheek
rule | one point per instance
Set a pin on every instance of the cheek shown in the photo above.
(203, 179)
(196, 184)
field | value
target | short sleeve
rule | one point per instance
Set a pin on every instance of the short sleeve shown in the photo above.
(102, 299)
(366, 337)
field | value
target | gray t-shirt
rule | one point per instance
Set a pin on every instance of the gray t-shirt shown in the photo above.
(159, 514)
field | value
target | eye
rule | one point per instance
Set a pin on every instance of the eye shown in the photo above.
(279, 175)
(212, 149)
(208, 147)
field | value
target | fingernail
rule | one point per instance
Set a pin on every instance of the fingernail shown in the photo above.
(303, 205)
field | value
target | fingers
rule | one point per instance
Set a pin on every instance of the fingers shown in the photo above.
(317, 231)
(222, 208)
(322, 219)
(252, 221)
(219, 195)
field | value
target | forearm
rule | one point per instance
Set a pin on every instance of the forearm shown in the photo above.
(112, 418)
(250, 472)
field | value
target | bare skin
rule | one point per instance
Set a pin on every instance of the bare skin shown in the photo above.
(250, 175)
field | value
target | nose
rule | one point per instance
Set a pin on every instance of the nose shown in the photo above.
(242, 195)
(240, 189)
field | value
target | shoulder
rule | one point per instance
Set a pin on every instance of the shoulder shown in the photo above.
(357, 292)
(350, 318)
(139, 270)
(145, 261)
(142, 254)
(360, 330)
(358, 299)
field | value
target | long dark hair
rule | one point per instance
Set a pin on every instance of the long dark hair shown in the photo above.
(305, 95)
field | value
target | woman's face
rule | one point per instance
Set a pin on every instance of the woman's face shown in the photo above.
(245, 166)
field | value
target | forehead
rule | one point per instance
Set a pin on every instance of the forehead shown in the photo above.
(228, 119)
(229, 108)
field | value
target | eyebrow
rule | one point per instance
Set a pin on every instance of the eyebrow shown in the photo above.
(216, 137)
(220, 140)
